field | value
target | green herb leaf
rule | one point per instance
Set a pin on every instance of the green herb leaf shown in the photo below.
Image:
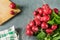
(41, 35)
(55, 34)
(56, 38)
(55, 15)
(57, 21)
(48, 37)
(59, 13)
(52, 16)
(51, 22)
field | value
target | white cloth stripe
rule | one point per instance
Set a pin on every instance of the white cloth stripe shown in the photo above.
(9, 36)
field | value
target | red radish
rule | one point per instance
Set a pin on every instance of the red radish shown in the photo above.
(45, 6)
(38, 17)
(44, 25)
(37, 21)
(12, 5)
(28, 27)
(56, 10)
(35, 13)
(47, 11)
(12, 12)
(41, 19)
(40, 10)
(32, 23)
(54, 27)
(49, 31)
(35, 29)
(50, 11)
(29, 33)
(46, 18)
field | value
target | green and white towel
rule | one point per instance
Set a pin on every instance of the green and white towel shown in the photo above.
(8, 34)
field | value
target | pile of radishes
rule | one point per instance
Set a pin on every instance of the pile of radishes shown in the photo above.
(12, 6)
(41, 17)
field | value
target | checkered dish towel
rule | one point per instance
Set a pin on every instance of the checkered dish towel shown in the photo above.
(8, 34)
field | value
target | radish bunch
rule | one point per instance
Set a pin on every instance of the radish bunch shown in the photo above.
(41, 18)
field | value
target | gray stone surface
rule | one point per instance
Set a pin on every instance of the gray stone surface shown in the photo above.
(22, 19)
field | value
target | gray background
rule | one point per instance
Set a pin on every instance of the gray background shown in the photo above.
(22, 19)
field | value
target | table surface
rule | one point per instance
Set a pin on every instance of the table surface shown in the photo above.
(21, 20)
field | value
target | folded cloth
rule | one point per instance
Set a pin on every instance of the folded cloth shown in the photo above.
(8, 34)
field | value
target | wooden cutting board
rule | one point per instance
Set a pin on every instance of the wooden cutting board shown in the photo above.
(5, 11)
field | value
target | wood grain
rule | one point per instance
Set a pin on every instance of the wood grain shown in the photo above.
(5, 11)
